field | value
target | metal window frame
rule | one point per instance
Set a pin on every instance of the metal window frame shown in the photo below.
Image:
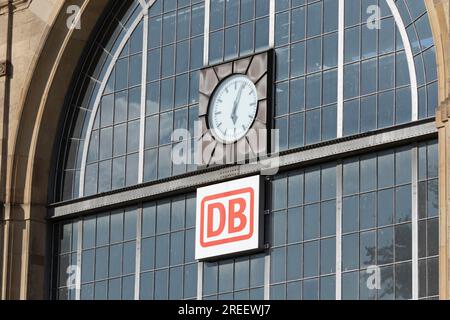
(295, 158)
(339, 181)
(137, 276)
(99, 96)
(340, 82)
(415, 220)
(340, 76)
(143, 98)
(79, 257)
(322, 152)
(346, 147)
(206, 32)
(409, 57)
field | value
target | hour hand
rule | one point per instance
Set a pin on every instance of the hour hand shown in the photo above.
(236, 103)
(233, 113)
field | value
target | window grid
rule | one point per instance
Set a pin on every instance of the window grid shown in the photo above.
(175, 55)
(375, 98)
(108, 253)
(414, 15)
(382, 213)
(303, 232)
(306, 87)
(108, 258)
(178, 269)
(123, 15)
(237, 28)
(114, 145)
(376, 217)
(416, 21)
(234, 279)
(67, 234)
(428, 221)
(301, 123)
(366, 109)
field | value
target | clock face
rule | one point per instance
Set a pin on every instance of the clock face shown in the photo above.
(233, 108)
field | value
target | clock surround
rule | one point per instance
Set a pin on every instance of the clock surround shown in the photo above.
(255, 143)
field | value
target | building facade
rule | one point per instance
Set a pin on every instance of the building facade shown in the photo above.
(355, 94)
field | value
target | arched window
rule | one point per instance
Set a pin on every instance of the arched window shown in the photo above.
(352, 212)
(144, 85)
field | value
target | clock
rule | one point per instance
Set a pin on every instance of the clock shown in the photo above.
(234, 107)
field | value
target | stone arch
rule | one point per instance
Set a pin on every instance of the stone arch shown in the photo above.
(29, 172)
(439, 13)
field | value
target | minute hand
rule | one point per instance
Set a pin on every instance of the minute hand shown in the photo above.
(236, 104)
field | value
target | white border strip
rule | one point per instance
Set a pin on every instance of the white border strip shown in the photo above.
(143, 99)
(200, 280)
(339, 179)
(340, 79)
(415, 222)
(137, 277)
(143, 4)
(206, 33)
(79, 252)
(409, 57)
(272, 24)
(267, 276)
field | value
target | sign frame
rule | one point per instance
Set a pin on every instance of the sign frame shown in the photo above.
(251, 242)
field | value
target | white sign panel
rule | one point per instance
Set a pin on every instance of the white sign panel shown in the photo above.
(228, 218)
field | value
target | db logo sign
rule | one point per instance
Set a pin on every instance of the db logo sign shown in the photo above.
(228, 218)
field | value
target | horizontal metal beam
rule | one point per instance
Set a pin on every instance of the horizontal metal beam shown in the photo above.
(299, 158)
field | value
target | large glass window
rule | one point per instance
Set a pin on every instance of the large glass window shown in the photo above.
(376, 228)
(174, 57)
(122, 132)
(377, 225)
(234, 279)
(428, 242)
(237, 28)
(306, 42)
(106, 150)
(303, 234)
(332, 227)
(113, 153)
(154, 241)
(378, 66)
(121, 120)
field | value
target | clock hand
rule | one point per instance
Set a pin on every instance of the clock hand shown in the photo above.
(236, 104)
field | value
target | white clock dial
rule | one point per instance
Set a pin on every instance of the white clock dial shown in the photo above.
(233, 108)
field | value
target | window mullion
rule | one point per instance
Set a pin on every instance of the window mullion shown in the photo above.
(271, 24)
(409, 57)
(137, 281)
(340, 82)
(143, 98)
(200, 280)
(79, 251)
(415, 223)
(339, 181)
(206, 32)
